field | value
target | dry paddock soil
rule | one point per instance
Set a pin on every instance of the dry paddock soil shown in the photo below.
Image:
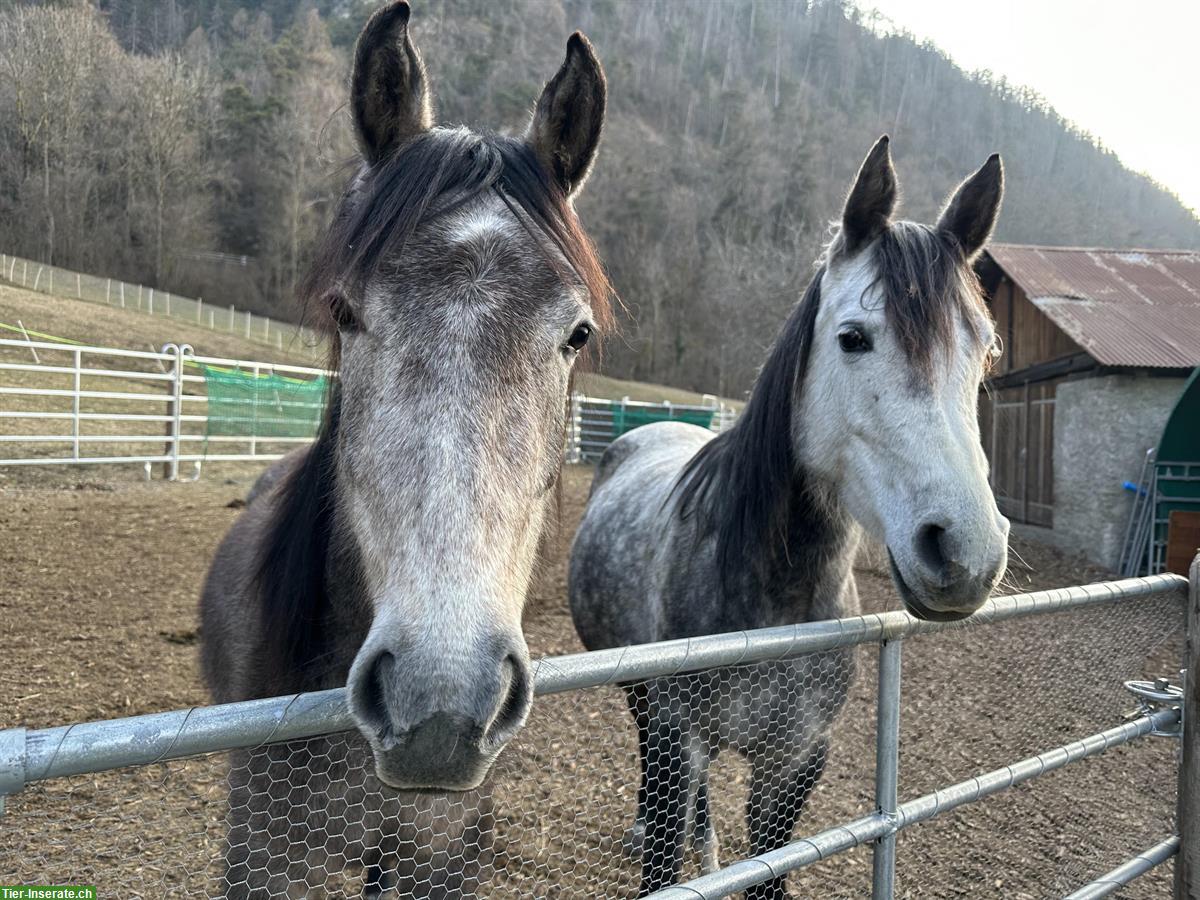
(99, 575)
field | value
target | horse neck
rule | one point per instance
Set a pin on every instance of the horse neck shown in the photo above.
(810, 575)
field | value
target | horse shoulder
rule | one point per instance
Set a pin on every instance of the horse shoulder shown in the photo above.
(230, 628)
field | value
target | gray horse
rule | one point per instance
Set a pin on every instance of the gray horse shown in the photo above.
(394, 554)
(863, 415)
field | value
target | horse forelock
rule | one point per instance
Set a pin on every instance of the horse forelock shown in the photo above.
(431, 176)
(927, 290)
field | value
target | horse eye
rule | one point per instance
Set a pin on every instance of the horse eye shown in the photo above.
(579, 337)
(854, 340)
(343, 315)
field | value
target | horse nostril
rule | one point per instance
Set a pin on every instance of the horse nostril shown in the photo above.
(514, 703)
(373, 694)
(930, 547)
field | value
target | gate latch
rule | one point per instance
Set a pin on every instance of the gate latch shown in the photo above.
(1155, 696)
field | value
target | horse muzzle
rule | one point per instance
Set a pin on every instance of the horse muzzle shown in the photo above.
(940, 583)
(433, 725)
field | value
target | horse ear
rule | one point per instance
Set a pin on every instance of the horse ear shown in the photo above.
(389, 92)
(872, 200)
(565, 130)
(971, 213)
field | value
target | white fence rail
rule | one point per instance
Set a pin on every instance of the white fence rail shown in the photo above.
(108, 405)
(63, 404)
(31, 756)
(59, 282)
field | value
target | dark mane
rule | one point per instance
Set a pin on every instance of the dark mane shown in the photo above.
(434, 174)
(740, 483)
(290, 576)
(743, 483)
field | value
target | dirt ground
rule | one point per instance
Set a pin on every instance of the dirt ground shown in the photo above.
(99, 576)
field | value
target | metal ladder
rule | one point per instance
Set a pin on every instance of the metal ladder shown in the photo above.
(1135, 550)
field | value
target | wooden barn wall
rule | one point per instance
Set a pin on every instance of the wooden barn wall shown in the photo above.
(1017, 430)
(1017, 422)
(1028, 335)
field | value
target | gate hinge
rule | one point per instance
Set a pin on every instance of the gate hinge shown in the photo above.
(1157, 695)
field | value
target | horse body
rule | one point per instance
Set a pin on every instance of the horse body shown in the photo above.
(627, 587)
(863, 417)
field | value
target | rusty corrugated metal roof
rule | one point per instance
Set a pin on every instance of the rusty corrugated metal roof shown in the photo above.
(1124, 307)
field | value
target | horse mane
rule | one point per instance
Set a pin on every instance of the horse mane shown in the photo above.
(743, 484)
(432, 175)
(290, 574)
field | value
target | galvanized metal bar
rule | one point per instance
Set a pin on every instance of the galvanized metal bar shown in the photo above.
(997, 780)
(142, 740)
(887, 767)
(97, 746)
(1123, 874)
(12, 763)
(748, 872)
(565, 673)
(838, 839)
(1187, 810)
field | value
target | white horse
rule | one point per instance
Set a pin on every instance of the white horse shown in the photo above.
(864, 415)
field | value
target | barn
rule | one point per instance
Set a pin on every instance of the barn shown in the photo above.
(1098, 345)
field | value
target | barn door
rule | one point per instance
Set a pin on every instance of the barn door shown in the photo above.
(1017, 428)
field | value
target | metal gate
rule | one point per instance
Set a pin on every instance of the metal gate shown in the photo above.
(144, 806)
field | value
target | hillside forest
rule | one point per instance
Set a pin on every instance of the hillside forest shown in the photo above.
(197, 145)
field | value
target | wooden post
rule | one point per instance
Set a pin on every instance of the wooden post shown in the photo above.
(1187, 865)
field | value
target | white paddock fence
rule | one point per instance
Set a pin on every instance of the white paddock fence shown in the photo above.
(66, 283)
(75, 404)
(1031, 744)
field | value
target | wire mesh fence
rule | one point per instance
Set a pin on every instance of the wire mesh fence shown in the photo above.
(754, 755)
(597, 422)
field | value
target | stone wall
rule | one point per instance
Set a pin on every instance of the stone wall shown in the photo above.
(1102, 430)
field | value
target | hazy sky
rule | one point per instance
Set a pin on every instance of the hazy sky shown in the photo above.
(1126, 72)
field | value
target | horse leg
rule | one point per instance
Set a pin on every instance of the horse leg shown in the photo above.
(779, 789)
(267, 854)
(637, 696)
(704, 832)
(668, 791)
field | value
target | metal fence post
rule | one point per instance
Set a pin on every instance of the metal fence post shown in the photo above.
(75, 403)
(575, 435)
(887, 764)
(12, 763)
(175, 411)
(1187, 866)
(254, 413)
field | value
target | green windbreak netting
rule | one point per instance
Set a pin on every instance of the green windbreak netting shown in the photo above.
(264, 405)
(627, 418)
